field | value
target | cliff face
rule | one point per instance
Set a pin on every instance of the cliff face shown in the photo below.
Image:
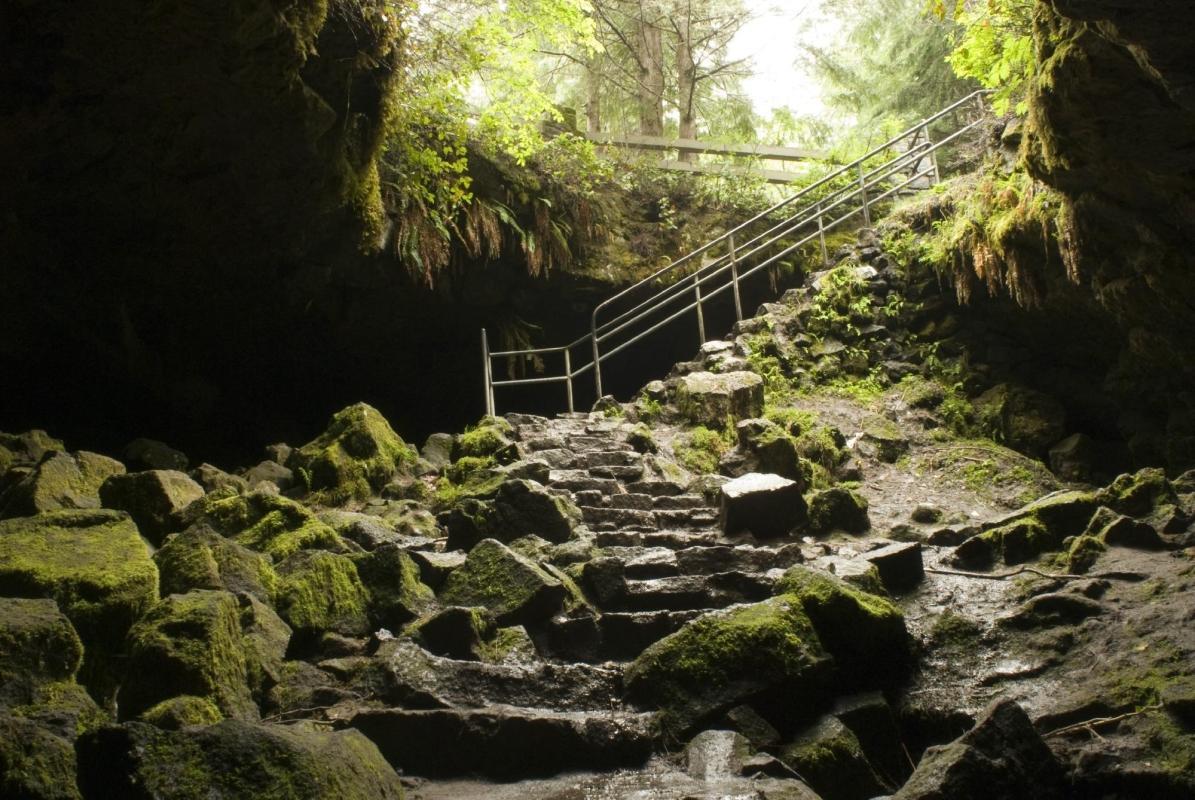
(1112, 126)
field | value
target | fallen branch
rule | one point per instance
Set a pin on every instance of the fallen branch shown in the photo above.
(1003, 576)
(1090, 725)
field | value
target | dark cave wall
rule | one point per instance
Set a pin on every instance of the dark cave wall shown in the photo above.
(1112, 126)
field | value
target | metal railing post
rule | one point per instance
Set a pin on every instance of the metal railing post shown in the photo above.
(597, 359)
(933, 154)
(734, 276)
(568, 378)
(863, 194)
(821, 235)
(489, 375)
(700, 315)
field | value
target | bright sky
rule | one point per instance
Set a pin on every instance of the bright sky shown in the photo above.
(771, 40)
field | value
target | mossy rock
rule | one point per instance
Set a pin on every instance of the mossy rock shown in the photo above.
(488, 440)
(266, 523)
(234, 759)
(357, 455)
(454, 632)
(154, 499)
(838, 509)
(397, 595)
(778, 452)
(95, 565)
(522, 508)
(765, 652)
(1138, 494)
(884, 438)
(28, 448)
(182, 712)
(265, 639)
(200, 558)
(64, 708)
(1013, 543)
(1065, 513)
(1082, 554)
(830, 758)
(323, 592)
(189, 644)
(641, 438)
(38, 645)
(865, 633)
(1025, 419)
(514, 588)
(34, 763)
(706, 398)
(60, 481)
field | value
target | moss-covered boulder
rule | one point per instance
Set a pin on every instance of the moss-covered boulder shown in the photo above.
(323, 592)
(38, 645)
(515, 509)
(188, 644)
(357, 455)
(265, 639)
(514, 588)
(234, 759)
(95, 565)
(397, 595)
(266, 523)
(865, 633)
(838, 509)
(706, 398)
(64, 708)
(181, 712)
(830, 758)
(1140, 493)
(489, 439)
(766, 652)
(454, 632)
(60, 481)
(34, 763)
(29, 447)
(153, 499)
(1027, 420)
(1013, 543)
(200, 558)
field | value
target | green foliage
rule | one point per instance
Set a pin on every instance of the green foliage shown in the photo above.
(841, 306)
(994, 46)
(700, 449)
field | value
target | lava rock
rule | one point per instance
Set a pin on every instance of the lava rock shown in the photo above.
(149, 454)
(900, 565)
(516, 589)
(154, 499)
(705, 398)
(838, 509)
(830, 758)
(200, 558)
(768, 506)
(38, 645)
(60, 481)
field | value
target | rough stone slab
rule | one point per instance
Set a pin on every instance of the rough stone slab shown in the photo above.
(706, 398)
(657, 488)
(767, 505)
(899, 564)
(640, 502)
(504, 742)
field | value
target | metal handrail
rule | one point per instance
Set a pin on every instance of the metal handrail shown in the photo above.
(862, 179)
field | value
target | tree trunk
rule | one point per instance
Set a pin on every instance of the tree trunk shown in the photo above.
(651, 79)
(686, 84)
(593, 94)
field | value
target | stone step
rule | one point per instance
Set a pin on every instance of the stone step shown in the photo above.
(558, 458)
(623, 473)
(741, 558)
(680, 501)
(507, 743)
(640, 502)
(687, 518)
(673, 540)
(608, 518)
(580, 442)
(657, 487)
(610, 458)
(685, 592)
(612, 636)
(580, 480)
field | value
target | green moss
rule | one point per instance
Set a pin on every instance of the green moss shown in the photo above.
(493, 576)
(700, 449)
(396, 593)
(323, 592)
(1083, 553)
(508, 645)
(38, 645)
(864, 632)
(63, 704)
(1137, 494)
(355, 456)
(34, 763)
(60, 481)
(838, 508)
(98, 569)
(266, 523)
(489, 439)
(188, 644)
(831, 759)
(200, 558)
(642, 439)
(181, 712)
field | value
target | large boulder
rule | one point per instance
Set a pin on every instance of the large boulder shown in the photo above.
(233, 759)
(1001, 757)
(265, 639)
(153, 499)
(357, 455)
(518, 508)
(34, 763)
(489, 439)
(706, 398)
(514, 588)
(146, 454)
(266, 523)
(200, 558)
(323, 592)
(188, 644)
(38, 645)
(1025, 419)
(838, 509)
(865, 633)
(95, 565)
(763, 652)
(397, 595)
(767, 505)
(829, 756)
(60, 481)
(28, 448)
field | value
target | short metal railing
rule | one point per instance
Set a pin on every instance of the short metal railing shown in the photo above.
(760, 242)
